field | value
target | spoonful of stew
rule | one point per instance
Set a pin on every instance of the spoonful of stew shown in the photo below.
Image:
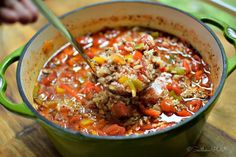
(124, 69)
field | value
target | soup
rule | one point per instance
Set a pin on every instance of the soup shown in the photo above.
(168, 79)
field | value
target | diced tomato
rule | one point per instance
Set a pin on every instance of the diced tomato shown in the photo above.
(167, 106)
(68, 50)
(74, 60)
(82, 73)
(75, 119)
(62, 57)
(98, 40)
(175, 87)
(92, 51)
(183, 113)
(64, 112)
(48, 79)
(88, 86)
(120, 110)
(84, 40)
(64, 109)
(137, 55)
(67, 74)
(162, 69)
(198, 74)
(194, 105)
(72, 92)
(114, 130)
(123, 50)
(186, 66)
(195, 67)
(149, 112)
(90, 54)
(169, 86)
(146, 127)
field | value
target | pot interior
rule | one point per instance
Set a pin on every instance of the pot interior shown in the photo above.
(113, 14)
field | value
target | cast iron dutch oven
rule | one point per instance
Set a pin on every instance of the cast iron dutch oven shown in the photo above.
(171, 142)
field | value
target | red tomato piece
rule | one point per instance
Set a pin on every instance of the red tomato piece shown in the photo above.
(137, 55)
(198, 74)
(88, 86)
(123, 50)
(146, 127)
(68, 51)
(84, 40)
(196, 66)
(149, 112)
(74, 60)
(183, 113)
(98, 40)
(194, 105)
(48, 79)
(90, 54)
(70, 91)
(75, 120)
(175, 87)
(162, 69)
(167, 106)
(186, 66)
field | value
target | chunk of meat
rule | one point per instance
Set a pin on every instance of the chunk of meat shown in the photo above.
(120, 110)
(150, 96)
(114, 130)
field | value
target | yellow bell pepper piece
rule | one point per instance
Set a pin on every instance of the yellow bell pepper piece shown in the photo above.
(138, 84)
(128, 82)
(118, 59)
(99, 60)
(60, 90)
(86, 122)
(129, 58)
(123, 79)
(132, 87)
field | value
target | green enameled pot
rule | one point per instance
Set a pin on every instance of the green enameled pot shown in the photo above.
(171, 142)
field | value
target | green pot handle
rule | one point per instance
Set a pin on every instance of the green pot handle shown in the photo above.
(21, 108)
(230, 35)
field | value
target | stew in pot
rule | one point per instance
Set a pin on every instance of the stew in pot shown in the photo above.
(126, 59)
